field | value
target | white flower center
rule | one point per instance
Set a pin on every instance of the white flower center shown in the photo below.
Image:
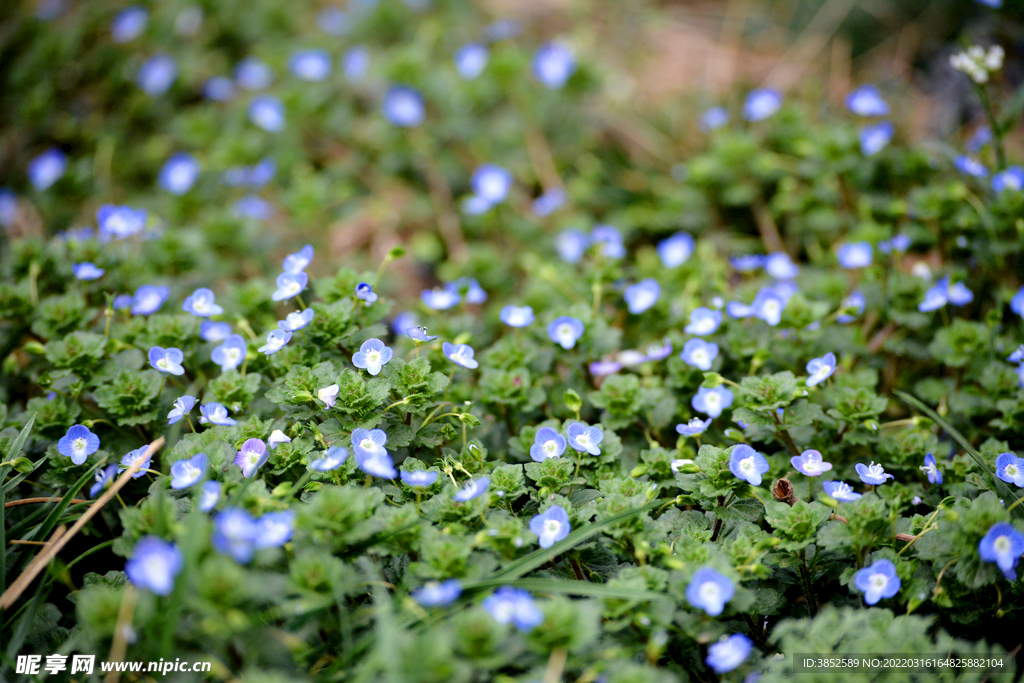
(200, 305)
(232, 355)
(712, 400)
(78, 445)
(552, 527)
(747, 465)
(550, 446)
(565, 331)
(163, 363)
(253, 457)
(1002, 545)
(373, 357)
(812, 466)
(879, 581)
(700, 357)
(583, 440)
(190, 471)
(367, 445)
(1011, 470)
(293, 287)
(710, 592)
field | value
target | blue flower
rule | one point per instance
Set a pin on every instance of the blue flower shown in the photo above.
(877, 581)
(369, 442)
(699, 353)
(703, 321)
(401, 323)
(157, 74)
(403, 106)
(230, 354)
(711, 402)
(182, 407)
(1018, 355)
(267, 112)
(747, 464)
(584, 438)
(840, 490)
(310, 65)
(726, 655)
(761, 103)
(604, 367)
(104, 478)
(855, 302)
(8, 207)
(491, 183)
(209, 494)
(154, 564)
(47, 168)
(658, 350)
(820, 369)
(970, 166)
(215, 414)
(328, 394)
(219, 89)
(167, 360)
(418, 479)
(295, 321)
(553, 64)
(768, 305)
(373, 355)
(332, 460)
(610, 239)
(549, 202)
(434, 594)
(252, 74)
(1004, 545)
(120, 221)
(251, 456)
(714, 118)
(875, 138)
(517, 316)
(87, 271)
(332, 21)
(252, 206)
(132, 457)
(854, 255)
(298, 262)
(179, 174)
(1010, 179)
(931, 468)
(185, 473)
(866, 101)
(810, 463)
(148, 299)
(274, 529)
(746, 263)
(503, 29)
(565, 331)
(440, 298)
(676, 250)
(289, 285)
(780, 266)
(1009, 468)
(642, 295)
(366, 293)
(471, 60)
(234, 534)
(128, 24)
(547, 444)
(355, 63)
(571, 245)
(277, 437)
(513, 605)
(214, 332)
(709, 591)
(122, 302)
(419, 335)
(460, 354)
(472, 489)
(276, 340)
(201, 303)
(551, 526)
(694, 427)
(981, 136)
(872, 474)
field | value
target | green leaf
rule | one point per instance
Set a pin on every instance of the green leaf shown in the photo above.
(556, 586)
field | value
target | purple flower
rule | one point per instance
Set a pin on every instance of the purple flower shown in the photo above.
(584, 438)
(460, 354)
(839, 490)
(185, 473)
(699, 353)
(931, 468)
(709, 591)
(403, 106)
(703, 321)
(727, 654)
(434, 594)
(289, 285)
(547, 444)
(276, 340)
(47, 168)
(167, 360)
(761, 103)
(866, 101)
(277, 437)
(606, 366)
(333, 21)
(642, 295)
(201, 303)
(182, 407)
(551, 526)
(251, 456)
(747, 464)
(1004, 545)
(1009, 468)
(471, 60)
(565, 331)
(711, 402)
(872, 474)
(810, 463)
(310, 65)
(553, 64)
(820, 369)
(298, 262)
(694, 427)
(154, 564)
(230, 354)
(295, 321)
(216, 414)
(676, 250)
(148, 299)
(472, 489)
(179, 174)
(372, 356)
(120, 221)
(854, 255)
(875, 138)
(512, 605)
(877, 581)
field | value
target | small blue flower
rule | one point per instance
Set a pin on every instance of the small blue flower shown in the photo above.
(289, 285)
(440, 298)
(810, 463)
(366, 293)
(182, 407)
(980, 138)
(855, 255)
(295, 321)
(709, 591)
(8, 207)
(129, 24)
(179, 174)
(276, 438)
(372, 356)
(87, 271)
(517, 316)
(154, 564)
(604, 367)
(610, 239)
(377, 465)
(699, 353)
(551, 526)
(267, 112)
(104, 478)
(703, 321)
(403, 106)
(768, 305)
(471, 60)
(1018, 355)
(252, 74)
(571, 245)
(970, 166)
(332, 21)
(368, 443)
(642, 295)
(840, 490)
(658, 350)
(209, 494)
(780, 266)
(276, 340)
(959, 294)
(355, 63)
(469, 289)
(47, 168)
(122, 302)
(234, 534)
(584, 438)
(694, 427)
(434, 594)
(418, 479)
(214, 332)
(472, 489)
(251, 456)
(714, 118)
(855, 302)
(872, 474)
(157, 74)
(727, 654)
(148, 299)
(565, 331)
(547, 444)
(419, 335)
(549, 202)
(866, 101)
(274, 529)
(120, 221)
(820, 369)
(230, 354)
(711, 402)
(332, 459)
(328, 394)
(747, 464)
(746, 263)
(761, 103)
(513, 605)
(553, 64)
(215, 414)
(877, 581)
(676, 250)
(167, 360)
(310, 65)
(931, 468)
(219, 89)
(491, 183)
(132, 457)
(460, 354)
(201, 303)
(185, 473)
(875, 138)
(1011, 179)
(1009, 468)
(1004, 545)
(298, 262)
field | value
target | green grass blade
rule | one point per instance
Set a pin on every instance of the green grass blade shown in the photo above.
(12, 452)
(1008, 493)
(563, 587)
(50, 523)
